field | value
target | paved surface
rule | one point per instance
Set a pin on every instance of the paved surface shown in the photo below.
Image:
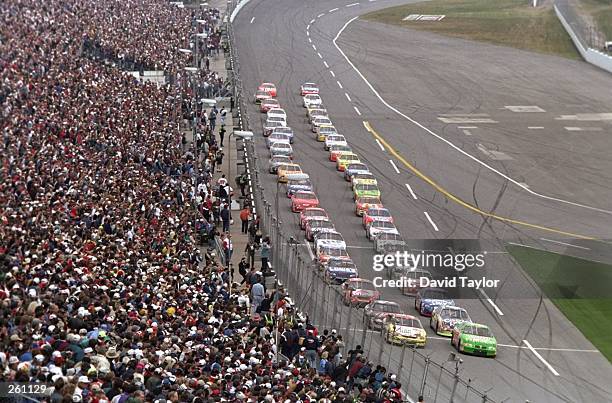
(418, 79)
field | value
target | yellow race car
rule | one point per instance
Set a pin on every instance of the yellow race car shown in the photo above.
(343, 160)
(286, 169)
(403, 329)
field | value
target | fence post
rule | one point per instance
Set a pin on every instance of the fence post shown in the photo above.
(455, 382)
(425, 371)
(438, 385)
(411, 365)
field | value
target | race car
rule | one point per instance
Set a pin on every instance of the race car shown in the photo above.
(355, 168)
(376, 213)
(474, 338)
(315, 112)
(267, 104)
(296, 185)
(376, 227)
(303, 199)
(387, 242)
(261, 96)
(309, 88)
(284, 130)
(337, 271)
(375, 312)
(343, 160)
(403, 329)
(412, 285)
(362, 189)
(444, 319)
(268, 87)
(313, 227)
(312, 100)
(334, 139)
(428, 298)
(319, 121)
(329, 238)
(280, 112)
(326, 252)
(281, 149)
(277, 138)
(277, 160)
(271, 123)
(359, 292)
(363, 177)
(335, 151)
(312, 214)
(364, 203)
(322, 132)
(286, 169)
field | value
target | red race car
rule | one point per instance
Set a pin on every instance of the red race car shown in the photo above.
(268, 87)
(267, 104)
(359, 291)
(302, 200)
(365, 202)
(311, 213)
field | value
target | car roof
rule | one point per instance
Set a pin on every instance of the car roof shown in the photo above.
(384, 302)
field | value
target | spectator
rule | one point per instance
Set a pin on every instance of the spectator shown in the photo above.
(265, 254)
(225, 217)
(245, 214)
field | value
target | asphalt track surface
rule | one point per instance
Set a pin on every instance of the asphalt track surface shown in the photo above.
(463, 198)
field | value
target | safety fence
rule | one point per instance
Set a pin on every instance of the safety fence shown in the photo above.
(300, 274)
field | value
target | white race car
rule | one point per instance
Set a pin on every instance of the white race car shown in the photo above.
(335, 140)
(309, 88)
(312, 100)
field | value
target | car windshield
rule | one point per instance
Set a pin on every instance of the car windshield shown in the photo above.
(315, 213)
(339, 147)
(279, 136)
(275, 118)
(334, 251)
(320, 120)
(379, 213)
(363, 285)
(363, 176)
(357, 166)
(434, 294)
(389, 308)
(331, 236)
(271, 101)
(283, 130)
(409, 322)
(293, 168)
(478, 331)
(454, 314)
(280, 159)
(383, 224)
(369, 200)
(336, 137)
(328, 129)
(367, 187)
(321, 224)
(281, 145)
(312, 97)
(305, 196)
(262, 92)
(302, 182)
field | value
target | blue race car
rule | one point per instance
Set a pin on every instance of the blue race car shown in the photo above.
(427, 299)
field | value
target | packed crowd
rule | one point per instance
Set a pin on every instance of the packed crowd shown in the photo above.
(106, 294)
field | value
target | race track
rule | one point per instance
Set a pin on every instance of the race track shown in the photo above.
(458, 188)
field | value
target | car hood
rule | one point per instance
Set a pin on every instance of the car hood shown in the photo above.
(478, 339)
(299, 187)
(408, 331)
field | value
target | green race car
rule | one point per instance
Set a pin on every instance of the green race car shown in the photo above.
(474, 338)
(365, 189)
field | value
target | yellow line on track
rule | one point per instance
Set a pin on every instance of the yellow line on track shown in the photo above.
(460, 202)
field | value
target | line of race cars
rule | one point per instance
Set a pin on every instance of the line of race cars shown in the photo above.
(330, 248)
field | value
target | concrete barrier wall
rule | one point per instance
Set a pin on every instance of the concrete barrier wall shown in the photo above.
(241, 4)
(593, 56)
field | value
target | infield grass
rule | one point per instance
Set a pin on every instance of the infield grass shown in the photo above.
(502, 22)
(581, 289)
(601, 11)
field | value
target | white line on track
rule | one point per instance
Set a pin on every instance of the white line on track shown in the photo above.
(252, 19)
(414, 196)
(333, 9)
(320, 15)
(348, 96)
(319, 54)
(339, 84)
(332, 73)
(394, 166)
(309, 40)
(568, 350)
(358, 247)
(325, 64)
(467, 127)
(539, 356)
(490, 301)
(314, 47)
(352, 5)
(535, 127)
(449, 143)
(382, 148)
(357, 110)
(467, 132)
(308, 27)
(565, 243)
(307, 33)
(312, 21)
(307, 245)
(433, 224)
